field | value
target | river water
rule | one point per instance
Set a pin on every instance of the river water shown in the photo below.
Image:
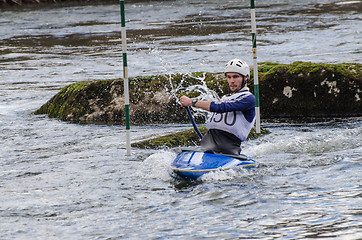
(67, 181)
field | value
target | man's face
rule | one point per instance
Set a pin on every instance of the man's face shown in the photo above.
(234, 80)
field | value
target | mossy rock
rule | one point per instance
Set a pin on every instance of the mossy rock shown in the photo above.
(91, 101)
(183, 139)
(300, 89)
(151, 100)
(304, 89)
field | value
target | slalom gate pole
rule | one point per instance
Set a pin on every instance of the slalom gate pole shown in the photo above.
(125, 78)
(255, 65)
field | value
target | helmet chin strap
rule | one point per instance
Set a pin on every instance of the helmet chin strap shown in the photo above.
(243, 83)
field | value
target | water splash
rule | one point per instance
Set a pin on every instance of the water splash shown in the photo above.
(157, 166)
(205, 94)
(175, 89)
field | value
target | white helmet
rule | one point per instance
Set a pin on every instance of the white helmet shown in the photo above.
(237, 66)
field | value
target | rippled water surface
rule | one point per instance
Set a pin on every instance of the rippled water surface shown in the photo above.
(67, 181)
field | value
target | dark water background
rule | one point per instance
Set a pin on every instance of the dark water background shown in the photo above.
(69, 181)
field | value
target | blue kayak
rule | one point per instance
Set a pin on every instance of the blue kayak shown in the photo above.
(191, 164)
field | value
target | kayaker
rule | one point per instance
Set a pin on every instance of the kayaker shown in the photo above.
(233, 117)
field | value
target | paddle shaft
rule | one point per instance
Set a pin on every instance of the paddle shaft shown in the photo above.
(193, 122)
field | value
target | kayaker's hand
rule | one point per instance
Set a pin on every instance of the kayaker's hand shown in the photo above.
(185, 101)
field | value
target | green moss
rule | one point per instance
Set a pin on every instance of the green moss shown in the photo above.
(73, 101)
(184, 139)
(302, 67)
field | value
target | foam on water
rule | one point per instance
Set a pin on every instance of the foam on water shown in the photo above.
(310, 147)
(283, 148)
(157, 166)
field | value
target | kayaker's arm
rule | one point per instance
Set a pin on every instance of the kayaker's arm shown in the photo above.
(187, 102)
(203, 105)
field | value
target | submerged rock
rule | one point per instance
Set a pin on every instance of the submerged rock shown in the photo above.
(300, 89)
(183, 139)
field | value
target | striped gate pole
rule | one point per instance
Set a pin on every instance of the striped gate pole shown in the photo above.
(125, 78)
(255, 65)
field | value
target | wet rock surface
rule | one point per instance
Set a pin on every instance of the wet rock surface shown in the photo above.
(305, 89)
(296, 90)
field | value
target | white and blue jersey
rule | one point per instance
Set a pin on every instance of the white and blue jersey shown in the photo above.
(234, 114)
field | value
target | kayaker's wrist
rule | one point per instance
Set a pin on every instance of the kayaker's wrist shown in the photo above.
(194, 101)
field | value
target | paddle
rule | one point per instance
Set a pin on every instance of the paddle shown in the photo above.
(193, 122)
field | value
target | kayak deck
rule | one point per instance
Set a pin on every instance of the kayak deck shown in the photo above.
(193, 164)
